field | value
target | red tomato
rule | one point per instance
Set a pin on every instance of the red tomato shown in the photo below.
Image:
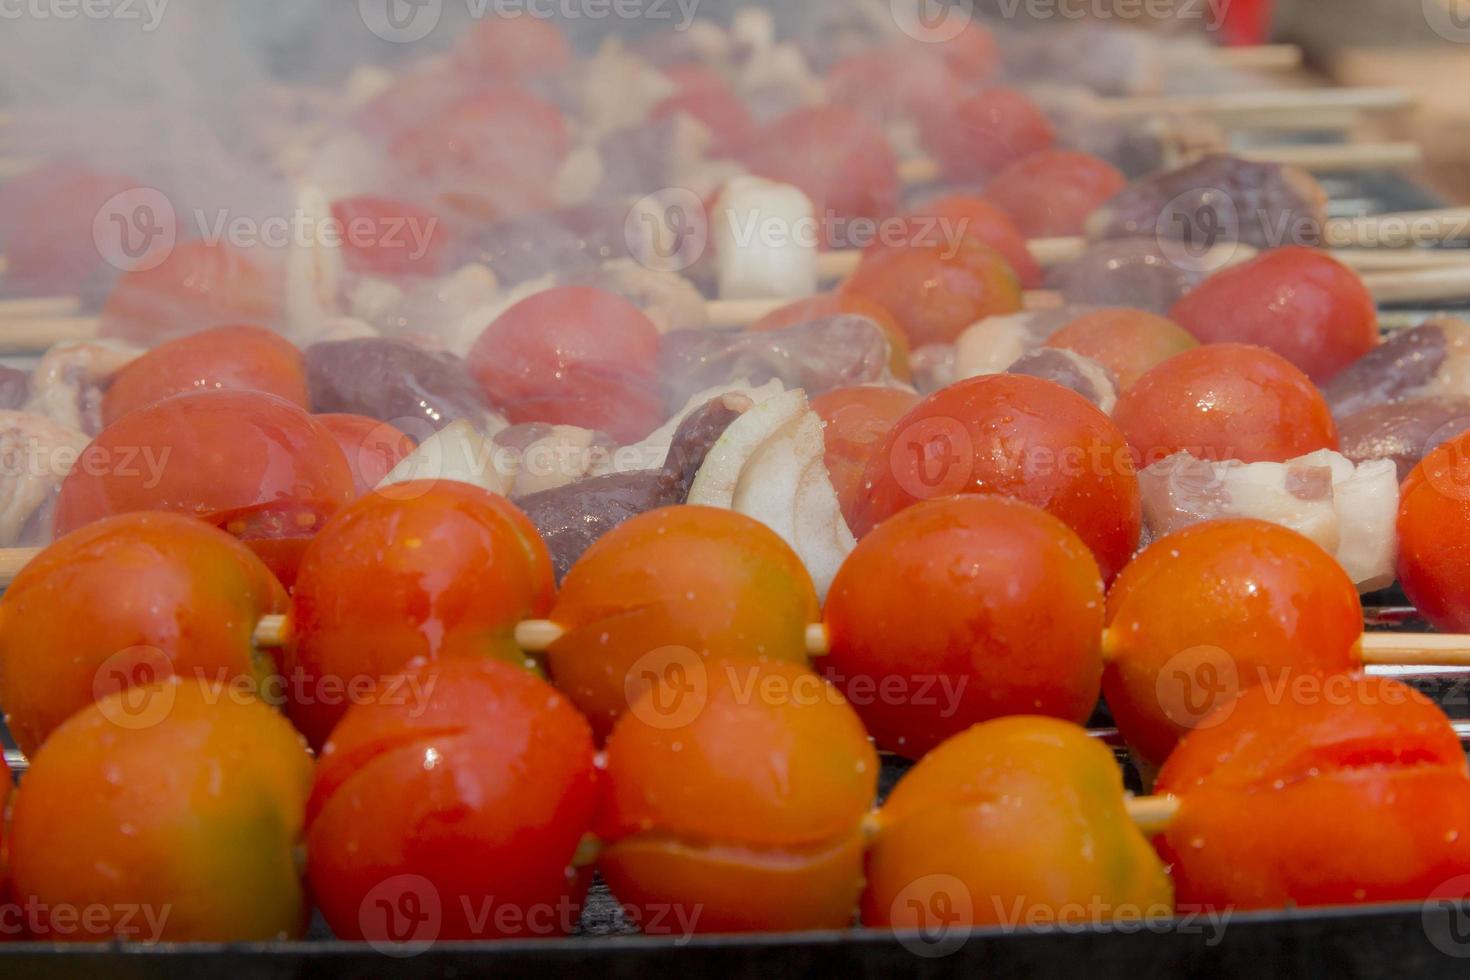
(1348, 792)
(1018, 437)
(1127, 342)
(838, 157)
(390, 239)
(1304, 305)
(575, 355)
(198, 286)
(249, 463)
(892, 83)
(222, 358)
(973, 608)
(1052, 193)
(423, 570)
(986, 133)
(513, 48)
(975, 218)
(936, 291)
(452, 810)
(708, 98)
(1225, 401)
(973, 54)
(856, 423)
(1217, 608)
(1434, 535)
(372, 448)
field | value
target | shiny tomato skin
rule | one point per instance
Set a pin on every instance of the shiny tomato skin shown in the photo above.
(249, 463)
(372, 448)
(984, 134)
(1434, 515)
(1052, 193)
(855, 424)
(1299, 302)
(424, 570)
(1012, 822)
(995, 598)
(199, 285)
(1222, 402)
(458, 803)
(243, 357)
(1349, 793)
(1127, 342)
(129, 599)
(390, 239)
(1020, 437)
(831, 304)
(761, 780)
(574, 355)
(140, 807)
(974, 217)
(936, 291)
(1215, 609)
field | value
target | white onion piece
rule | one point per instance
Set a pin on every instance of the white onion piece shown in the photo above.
(459, 453)
(652, 452)
(765, 240)
(314, 269)
(560, 458)
(715, 483)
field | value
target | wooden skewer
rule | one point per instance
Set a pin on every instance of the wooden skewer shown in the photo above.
(1152, 814)
(1413, 285)
(1244, 106)
(30, 335)
(40, 306)
(1267, 57)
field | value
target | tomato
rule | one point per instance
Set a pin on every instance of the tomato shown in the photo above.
(707, 581)
(168, 813)
(1218, 608)
(1304, 305)
(984, 134)
(972, 54)
(428, 569)
(1013, 436)
(961, 610)
(1125, 341)
(936, 291)
(453, 811)
(249, 358)
(501, 48)
(893, 83)
(574, 355)
(129, 600)
(250, 463)
(837, 304)
(391, 239)
(1052, 193)
(1354, 791)
(1225, 401)
(709, 99)
(199, 285)
(973, 217)
(728, 783)
(372, 448)
(856, 421)
(838, 157)
(1434, 543)
(1019, 823)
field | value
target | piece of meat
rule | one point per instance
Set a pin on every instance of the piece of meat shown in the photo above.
(547, 456)
(1397, 368)
(997, 342)
(1218, 199)
(36, 453)
(831, 352)
(395, 381)
(15, 389)
(1402, 431)
(1131, 272)
(561, 242)
(67, 385)
(571, 518)
(1070, 370)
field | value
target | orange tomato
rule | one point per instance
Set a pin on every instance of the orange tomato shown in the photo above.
(976, 218)
(1127, 342)
(372, 448)
(936, 291)
(1215, 609)
(856, 422)
(199, 285)
(1054, 192)
(729, 782)
(1434, 535)
(836, 304)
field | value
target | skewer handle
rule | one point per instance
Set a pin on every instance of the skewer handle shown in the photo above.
(1444, 283)
(1243, 106)
(27, 335)
(40, 306)
(1415, 649)
(1401, 229)
(1152, 814)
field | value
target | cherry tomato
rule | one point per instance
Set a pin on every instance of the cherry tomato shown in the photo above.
(1354, 791)
(574, 355)
(972, 54)
(199, 285)
(1014, 436)
(1215, 609)
(513, 48)
(856, 422)
(709, 99)
(1127, 342)
(168, 813)
(1434, 549)
(250, 463)
(838, 157)
(892, 83)
(390, 239)
(961, 610)
(729, 782)
(973, 217)
(1017, 822)
(423, 90)
(1052, 193)
(836, 304)
(249, 358)
(452, 809)
(936, 291)
(130, 599)
(695, 578)
(1304, 305)
(986, 133)
(372, 448)
(429, 569)
(1225, 401)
